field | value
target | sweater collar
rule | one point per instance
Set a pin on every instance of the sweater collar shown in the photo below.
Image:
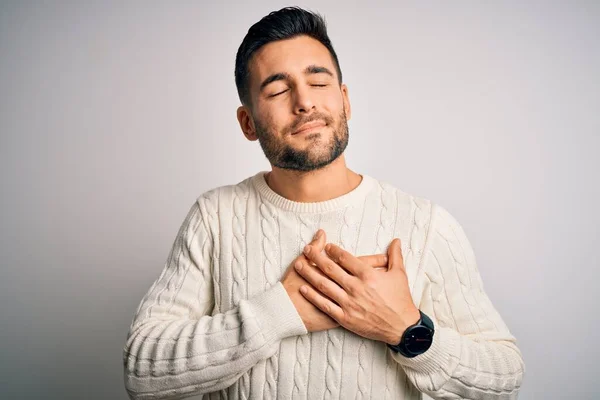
(354, 197)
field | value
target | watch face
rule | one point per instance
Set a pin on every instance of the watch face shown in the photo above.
(418, 340)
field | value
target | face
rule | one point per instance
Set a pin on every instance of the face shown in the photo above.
(299, 111)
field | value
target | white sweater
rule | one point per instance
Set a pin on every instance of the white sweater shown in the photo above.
(218, 321)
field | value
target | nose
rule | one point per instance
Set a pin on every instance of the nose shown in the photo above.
(303, 103)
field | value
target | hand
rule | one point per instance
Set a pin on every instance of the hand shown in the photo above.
(374, 304)
(313, 318)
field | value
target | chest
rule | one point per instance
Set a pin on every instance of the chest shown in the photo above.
(252, 254)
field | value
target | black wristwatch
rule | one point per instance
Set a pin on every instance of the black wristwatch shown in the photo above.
(416, 339)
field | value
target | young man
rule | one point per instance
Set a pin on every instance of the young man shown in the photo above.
(242, 309)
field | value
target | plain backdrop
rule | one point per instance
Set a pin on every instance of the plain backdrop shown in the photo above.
(115, 116)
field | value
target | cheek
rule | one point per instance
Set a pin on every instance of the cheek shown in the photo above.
(271, 120)
(334, 103)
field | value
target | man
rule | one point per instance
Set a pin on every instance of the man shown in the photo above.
(242, 309)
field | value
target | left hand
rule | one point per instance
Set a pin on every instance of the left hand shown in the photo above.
(375, 304)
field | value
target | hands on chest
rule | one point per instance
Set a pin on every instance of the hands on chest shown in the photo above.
(368, 295)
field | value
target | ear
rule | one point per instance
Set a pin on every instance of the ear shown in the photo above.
(346, 100)
(244, 117)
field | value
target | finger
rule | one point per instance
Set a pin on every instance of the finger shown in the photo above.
(319, 241)
(395, 255)
(375, 260)
(320, 282)
(345, 259)
(328, 266)
(322, 303)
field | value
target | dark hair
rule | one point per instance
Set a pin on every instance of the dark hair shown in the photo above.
(286, 23)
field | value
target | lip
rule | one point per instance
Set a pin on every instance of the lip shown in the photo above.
(309, 126)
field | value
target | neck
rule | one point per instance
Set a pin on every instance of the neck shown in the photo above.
(327, 183)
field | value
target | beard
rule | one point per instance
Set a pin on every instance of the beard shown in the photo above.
(317, 155)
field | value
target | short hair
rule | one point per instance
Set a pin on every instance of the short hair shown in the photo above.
(286, 23)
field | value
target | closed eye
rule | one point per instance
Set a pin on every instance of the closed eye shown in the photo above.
(283, 91)
(277, 94)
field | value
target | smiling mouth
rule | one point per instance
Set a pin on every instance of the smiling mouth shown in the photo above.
(308, 127)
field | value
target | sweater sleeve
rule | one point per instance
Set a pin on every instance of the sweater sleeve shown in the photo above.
(176, 348)
(473, 354)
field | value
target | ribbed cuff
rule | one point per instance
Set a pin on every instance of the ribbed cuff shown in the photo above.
(277, 314)
(445, 347)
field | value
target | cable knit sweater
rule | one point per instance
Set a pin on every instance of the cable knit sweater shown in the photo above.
(217, 321)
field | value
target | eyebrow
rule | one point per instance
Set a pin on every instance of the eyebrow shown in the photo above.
(280, 76)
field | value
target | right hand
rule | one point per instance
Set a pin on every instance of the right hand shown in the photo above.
(314, 319)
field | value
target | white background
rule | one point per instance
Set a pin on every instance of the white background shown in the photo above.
(114, 117)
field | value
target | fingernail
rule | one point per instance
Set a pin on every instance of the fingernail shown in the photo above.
(307, 249)
(328, 247)
(303, 289)
(317, 235)
(298, 265)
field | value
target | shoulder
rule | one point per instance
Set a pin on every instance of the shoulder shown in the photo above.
(209, 204)
(418, 206)
(447, 242)
(425, 212)
(214, 197)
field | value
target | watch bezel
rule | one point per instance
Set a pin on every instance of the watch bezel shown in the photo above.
(425, 329)
(417, 333)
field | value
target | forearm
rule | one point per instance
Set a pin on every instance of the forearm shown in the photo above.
(167, 357)
(458, 366)
(473, 354)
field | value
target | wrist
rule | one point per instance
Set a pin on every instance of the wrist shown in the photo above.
(406, 320)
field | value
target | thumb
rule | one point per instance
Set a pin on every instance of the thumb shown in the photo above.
(395, 255)
(319, 240)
